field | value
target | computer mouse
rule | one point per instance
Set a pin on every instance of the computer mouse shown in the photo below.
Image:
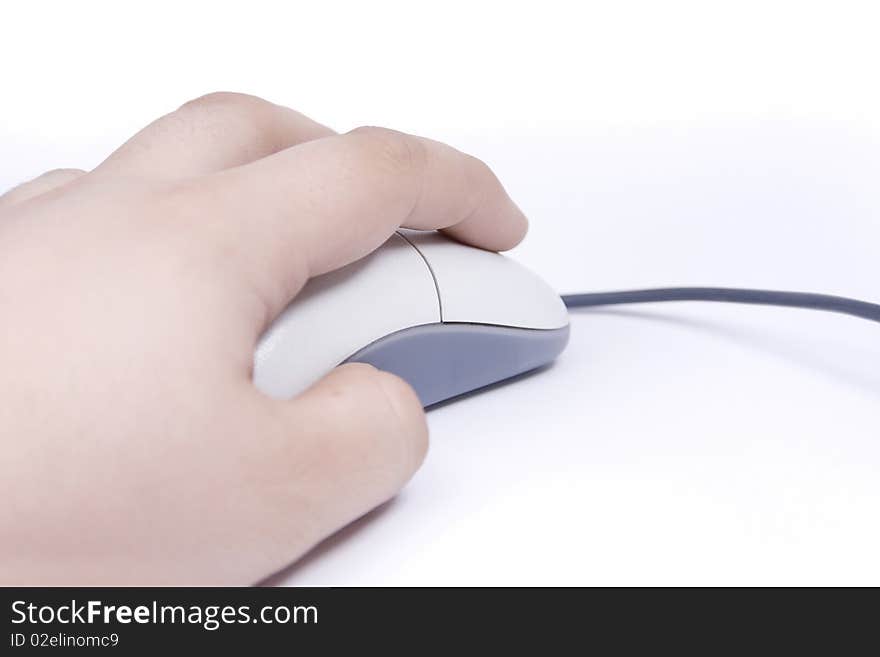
(446, 317)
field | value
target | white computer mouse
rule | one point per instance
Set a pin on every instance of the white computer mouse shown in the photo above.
(446, 317)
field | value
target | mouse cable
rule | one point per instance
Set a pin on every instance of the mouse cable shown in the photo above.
(809, 301)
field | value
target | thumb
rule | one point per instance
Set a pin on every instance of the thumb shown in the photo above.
(342, 448)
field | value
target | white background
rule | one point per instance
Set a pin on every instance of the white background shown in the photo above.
(651, 144)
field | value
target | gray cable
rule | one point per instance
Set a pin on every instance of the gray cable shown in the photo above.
(826, 302)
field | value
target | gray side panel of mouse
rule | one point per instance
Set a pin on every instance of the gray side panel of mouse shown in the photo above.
(441, 361)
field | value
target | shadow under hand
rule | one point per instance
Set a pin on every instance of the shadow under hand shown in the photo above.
(492, 386)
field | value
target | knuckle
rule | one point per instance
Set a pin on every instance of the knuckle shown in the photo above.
(483, 171)
(46, 181)
(224, 104)
(392, 150)
(62, 173)
(222, 113)
(217, 98)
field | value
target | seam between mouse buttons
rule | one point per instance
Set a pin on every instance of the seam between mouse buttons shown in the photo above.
(430, 271)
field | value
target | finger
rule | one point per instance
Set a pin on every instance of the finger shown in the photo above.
(342, 448)
(40, 185)
(316, 207)
(210, 133)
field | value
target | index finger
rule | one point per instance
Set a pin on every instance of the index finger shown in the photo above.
(323, 204)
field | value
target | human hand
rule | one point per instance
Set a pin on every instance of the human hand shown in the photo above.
(134, 448)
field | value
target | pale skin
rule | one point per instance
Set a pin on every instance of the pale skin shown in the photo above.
(134, 448)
